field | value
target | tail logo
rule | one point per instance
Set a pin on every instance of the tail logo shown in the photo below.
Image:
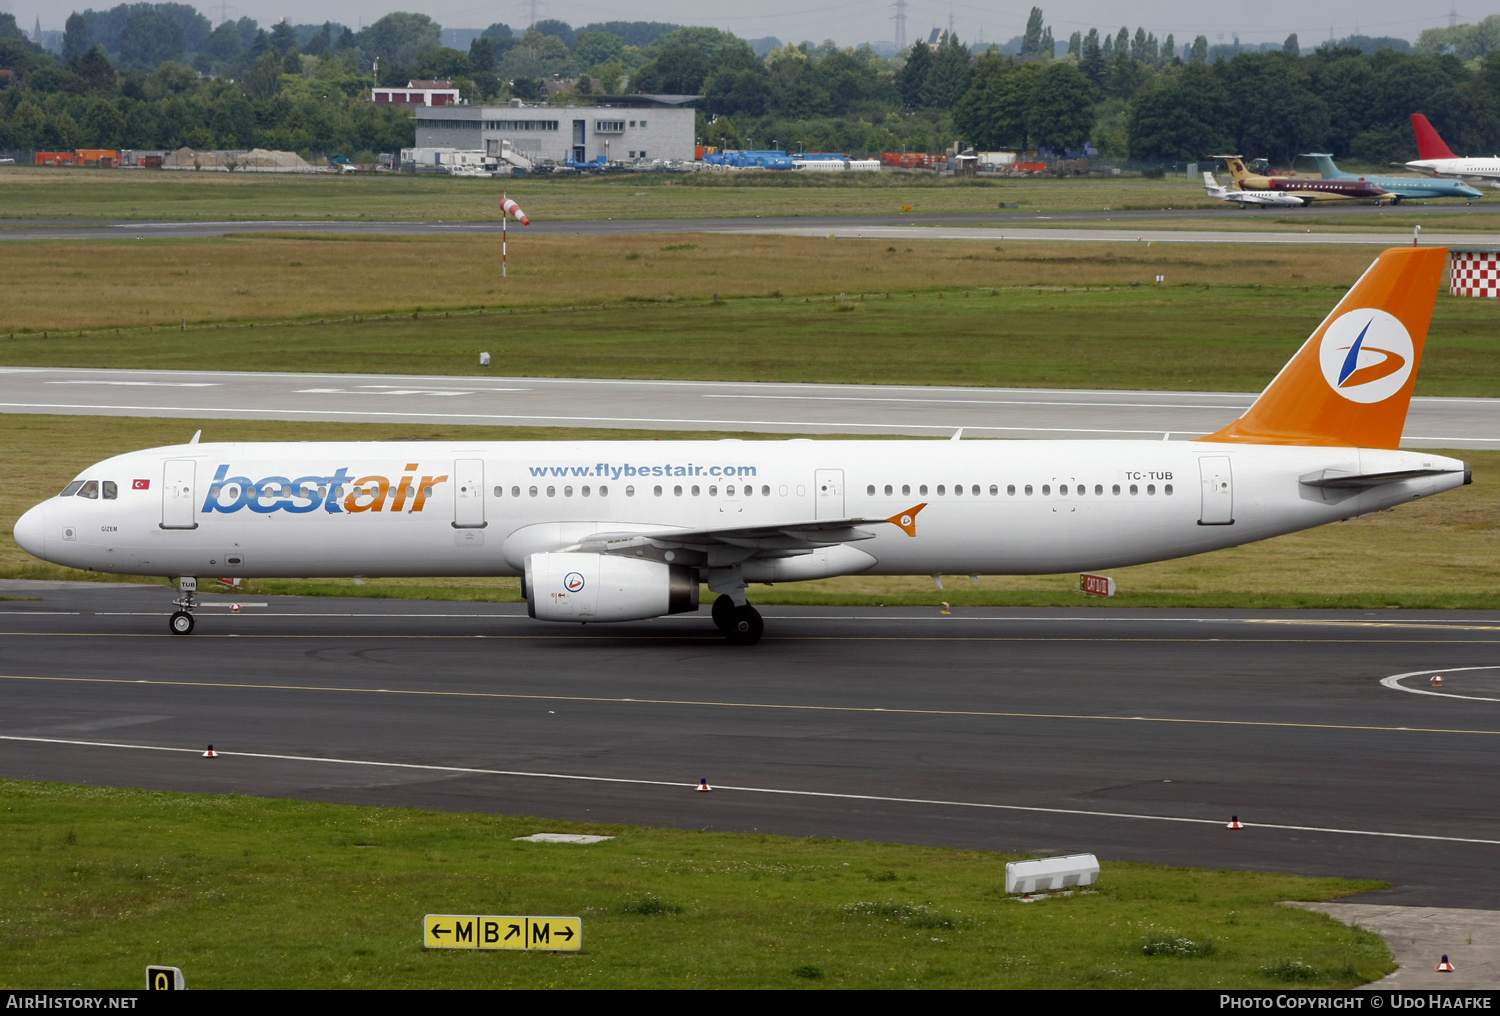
(1367, 355)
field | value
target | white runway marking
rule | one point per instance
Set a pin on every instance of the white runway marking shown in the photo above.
(1394, 682)
(882, 799)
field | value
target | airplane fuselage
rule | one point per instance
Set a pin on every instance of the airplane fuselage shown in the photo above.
(482, 508)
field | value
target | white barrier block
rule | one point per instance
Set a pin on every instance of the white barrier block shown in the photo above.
(1049, 873)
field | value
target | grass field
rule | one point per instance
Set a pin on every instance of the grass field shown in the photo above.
(1048, 315)
(1437, 553)
(248, 893)
(32, 193)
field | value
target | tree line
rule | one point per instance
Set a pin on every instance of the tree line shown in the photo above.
(160, 76)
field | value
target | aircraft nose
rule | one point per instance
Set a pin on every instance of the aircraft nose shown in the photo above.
(30, 529)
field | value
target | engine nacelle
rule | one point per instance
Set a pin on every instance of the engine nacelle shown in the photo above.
(601, 587)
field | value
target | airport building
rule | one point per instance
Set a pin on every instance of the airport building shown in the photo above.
(618, 128)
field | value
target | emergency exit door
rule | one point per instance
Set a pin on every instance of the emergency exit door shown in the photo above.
(468, 494)
(179, 499)
(1217, 482)
(828, 486)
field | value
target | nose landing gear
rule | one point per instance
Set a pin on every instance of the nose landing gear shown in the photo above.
(181, 622)
(742, 625)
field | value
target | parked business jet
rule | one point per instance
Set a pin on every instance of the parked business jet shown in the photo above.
(625, 530)
(1263, 199)
(1308, 190)
(1403, 187)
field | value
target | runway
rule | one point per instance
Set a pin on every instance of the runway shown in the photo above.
(1461, 423)
(1133, 734)
(1016, 224)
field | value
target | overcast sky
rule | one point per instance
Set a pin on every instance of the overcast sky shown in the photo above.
(849, 22)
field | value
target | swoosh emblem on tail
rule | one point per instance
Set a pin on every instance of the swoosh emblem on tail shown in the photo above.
(1353, 375)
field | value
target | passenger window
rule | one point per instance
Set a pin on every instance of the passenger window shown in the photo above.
(922, 489)
(1010, 488)
(975, 490)
(567, 492)
(499, 491)
(71, 489)
(1063, 489)
(533, 492)
(905, 489)
(551, 491)
(765, 490)
(994, 490)
(1150, 488)
(1115, 490)
(515, 492)
(603, 491)
(323, 491)
(1099, 489)
(90, 489)
(658, 491)
(713, 491)
(1134, 490)
(677, 490)
(1046, 489)
(941, 489)
(695, 490)
(870, 490)
(1028, 490)
(889, 490)
(729, 490)
(584, 492)
(110, 490)
(1167, 490)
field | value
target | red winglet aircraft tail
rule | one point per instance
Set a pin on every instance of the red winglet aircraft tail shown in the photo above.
(1429, 144)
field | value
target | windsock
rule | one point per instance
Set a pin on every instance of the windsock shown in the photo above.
(509, 207)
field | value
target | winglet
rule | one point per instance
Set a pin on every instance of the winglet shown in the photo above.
(907, 520)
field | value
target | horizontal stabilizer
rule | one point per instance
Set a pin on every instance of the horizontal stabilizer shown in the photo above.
(1338, 479)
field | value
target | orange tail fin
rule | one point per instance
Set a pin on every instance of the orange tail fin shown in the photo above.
(1429, 144)
(1350, 384)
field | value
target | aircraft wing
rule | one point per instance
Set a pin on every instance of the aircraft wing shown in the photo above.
(803, 536)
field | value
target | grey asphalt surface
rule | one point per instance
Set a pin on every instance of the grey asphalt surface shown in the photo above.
(1132, 734)
(1460, 423)
(1002, 221)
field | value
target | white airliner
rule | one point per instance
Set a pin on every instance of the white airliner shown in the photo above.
(1265, 199)
(1435, 158)
(625, 530)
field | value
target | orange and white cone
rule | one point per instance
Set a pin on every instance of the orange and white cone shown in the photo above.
(1444, 967)
(703, 786)
(235, 609)
(1234, 823)
(210, 753)
(1437, 681)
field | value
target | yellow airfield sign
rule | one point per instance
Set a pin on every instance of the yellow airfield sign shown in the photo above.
(472, 931)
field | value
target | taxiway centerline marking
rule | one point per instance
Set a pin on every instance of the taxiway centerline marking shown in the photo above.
(712, 704)
(825, 794)
(713, 635)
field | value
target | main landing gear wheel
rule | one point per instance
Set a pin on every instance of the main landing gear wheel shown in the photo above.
(181, 623)
(745, 626)
(722, 609)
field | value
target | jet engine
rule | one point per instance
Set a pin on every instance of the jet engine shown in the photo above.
(601, 587)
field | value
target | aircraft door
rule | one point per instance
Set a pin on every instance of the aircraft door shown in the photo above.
(179, 500)
(1218, 491)
(828, 486)
(468, 494)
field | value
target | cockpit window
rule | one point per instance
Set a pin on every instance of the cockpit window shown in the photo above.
(71, 489)
(90, 489)
(111, 491)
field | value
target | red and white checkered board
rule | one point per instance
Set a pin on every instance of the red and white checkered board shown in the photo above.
(1474, 273)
